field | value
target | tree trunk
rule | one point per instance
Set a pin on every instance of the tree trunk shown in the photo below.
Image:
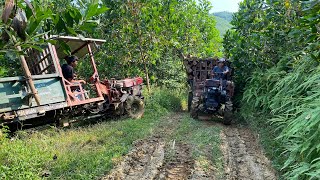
(142, 54)
(146, 71)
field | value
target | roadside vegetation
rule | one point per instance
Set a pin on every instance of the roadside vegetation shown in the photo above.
(144, 38)
(274, 47)
(82, 152)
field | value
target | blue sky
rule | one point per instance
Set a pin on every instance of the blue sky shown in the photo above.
(224, 5)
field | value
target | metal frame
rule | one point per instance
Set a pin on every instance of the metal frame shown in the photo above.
(72, 100)
(102, 88)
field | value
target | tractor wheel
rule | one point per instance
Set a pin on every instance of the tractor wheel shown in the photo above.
(119, 110)
(190, 95)
(227, 115)
(194, 111)
(135, 107)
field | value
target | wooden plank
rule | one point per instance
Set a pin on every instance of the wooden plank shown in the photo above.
(54, 60)
(38, 62)
(46, 68)
(50, 61)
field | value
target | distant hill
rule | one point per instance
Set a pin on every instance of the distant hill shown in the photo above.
(223, 21)
(224, 15)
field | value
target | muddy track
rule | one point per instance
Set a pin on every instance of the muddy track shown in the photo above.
(142, 162)
(243, 157)
(178, 162)
(157, 157)
(162, 157)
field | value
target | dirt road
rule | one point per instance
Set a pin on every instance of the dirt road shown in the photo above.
(243, 157)
(166, 156)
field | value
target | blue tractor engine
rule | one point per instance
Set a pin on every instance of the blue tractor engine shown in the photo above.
(214, 94)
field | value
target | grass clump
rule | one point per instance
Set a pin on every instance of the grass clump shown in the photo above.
(84, 152)
(167, 99)
(205, 141)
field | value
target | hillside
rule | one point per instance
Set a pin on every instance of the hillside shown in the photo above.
(222, 25)
(223, 21)
(224, 15)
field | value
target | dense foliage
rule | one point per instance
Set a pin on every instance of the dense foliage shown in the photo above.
(276, 52)
(143, 37)
(24, 24)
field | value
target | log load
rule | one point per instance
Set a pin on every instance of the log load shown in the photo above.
(199, 69)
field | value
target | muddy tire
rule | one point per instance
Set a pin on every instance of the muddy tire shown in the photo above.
(194, 111)
(190, 96)
(119, 110)
(134, 107)
(227, 115)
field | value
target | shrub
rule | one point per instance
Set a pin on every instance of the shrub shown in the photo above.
(290, 104)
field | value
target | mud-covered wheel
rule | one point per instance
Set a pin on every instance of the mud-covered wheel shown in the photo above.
(194, 111)
(190, 96)
(135, 107)
(119, 110)
(227, 115)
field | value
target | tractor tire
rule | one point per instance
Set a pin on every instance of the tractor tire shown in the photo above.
(227, 115)
(190, 96)
(120, 110)
(194, 111)
(135, 107)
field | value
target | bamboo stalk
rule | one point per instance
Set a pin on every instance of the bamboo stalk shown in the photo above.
(29, 78)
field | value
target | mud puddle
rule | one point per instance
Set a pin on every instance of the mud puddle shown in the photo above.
(243, 158)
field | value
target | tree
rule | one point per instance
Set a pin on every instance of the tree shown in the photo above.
(145, 37)
(24, 24)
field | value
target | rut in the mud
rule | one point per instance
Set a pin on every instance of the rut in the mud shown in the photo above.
(157, 157)
(243, 158)
(162, 157)
(178, 163)
(142, 162)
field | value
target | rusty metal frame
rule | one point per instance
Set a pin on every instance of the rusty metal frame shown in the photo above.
(72, 100)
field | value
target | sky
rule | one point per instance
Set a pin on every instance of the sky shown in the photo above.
(224, 5)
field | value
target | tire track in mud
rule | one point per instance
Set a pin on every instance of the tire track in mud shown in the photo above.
(155, 158)
(162, 157)
(142, 162)
(243, 157)
(178, 163)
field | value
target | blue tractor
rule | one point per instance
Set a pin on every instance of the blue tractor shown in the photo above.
(208, 96)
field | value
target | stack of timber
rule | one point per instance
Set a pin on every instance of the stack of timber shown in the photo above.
(199, 69)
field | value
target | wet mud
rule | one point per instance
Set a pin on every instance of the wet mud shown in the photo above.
(160, 157)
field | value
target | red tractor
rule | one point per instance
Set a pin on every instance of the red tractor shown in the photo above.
(43, 91)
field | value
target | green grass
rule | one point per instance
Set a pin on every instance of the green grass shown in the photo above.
(205, 139)
(284, 108)
(82, 153)
(85, 152)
